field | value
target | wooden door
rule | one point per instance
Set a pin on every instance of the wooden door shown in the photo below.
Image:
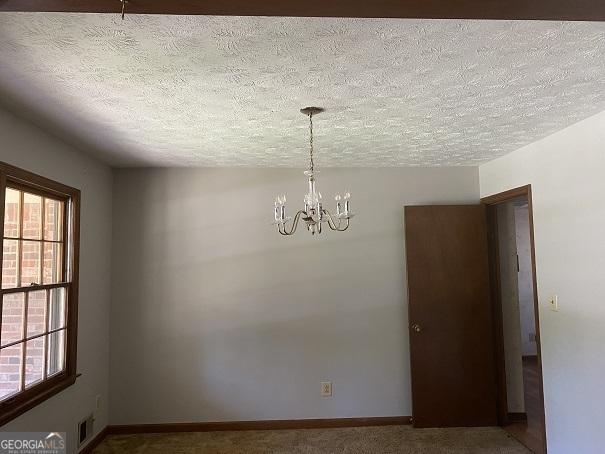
(450, 317)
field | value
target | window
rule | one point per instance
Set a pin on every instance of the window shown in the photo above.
(39, 291)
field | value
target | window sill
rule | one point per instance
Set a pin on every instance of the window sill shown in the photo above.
(27, 400)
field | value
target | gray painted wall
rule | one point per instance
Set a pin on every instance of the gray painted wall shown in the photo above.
(566, 173)
(215, 316)
(26, 146)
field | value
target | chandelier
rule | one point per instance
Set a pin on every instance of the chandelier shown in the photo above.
(314, 214)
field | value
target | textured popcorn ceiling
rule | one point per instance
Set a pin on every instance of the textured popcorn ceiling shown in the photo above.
(225, 91)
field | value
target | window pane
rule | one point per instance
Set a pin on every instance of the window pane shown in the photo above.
(53, 263)
(32, 216)
(36, 309)
(11, 213)
(57, 308)
(10, 263)
(30, 262)
(10, 370)
(34, 361)
(56, 352)
(13, 309)
(53, 220)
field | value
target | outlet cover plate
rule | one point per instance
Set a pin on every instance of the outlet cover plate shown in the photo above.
(326, 389)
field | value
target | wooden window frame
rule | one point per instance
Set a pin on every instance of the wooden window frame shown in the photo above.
(21, 179)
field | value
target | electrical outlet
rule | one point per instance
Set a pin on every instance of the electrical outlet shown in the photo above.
(553, 302)
(326, 389)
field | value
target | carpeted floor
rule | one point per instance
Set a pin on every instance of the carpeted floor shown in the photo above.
(358, 440)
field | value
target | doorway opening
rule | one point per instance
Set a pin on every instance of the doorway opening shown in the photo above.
(515, 308)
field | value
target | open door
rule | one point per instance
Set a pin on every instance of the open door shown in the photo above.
(450, 317)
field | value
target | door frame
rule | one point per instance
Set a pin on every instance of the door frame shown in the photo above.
(491, 203)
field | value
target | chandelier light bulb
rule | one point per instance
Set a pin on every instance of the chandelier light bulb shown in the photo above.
(347, 196)
(337, 197)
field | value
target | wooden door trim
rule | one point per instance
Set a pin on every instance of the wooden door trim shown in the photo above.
(506, 196)
(491, 202)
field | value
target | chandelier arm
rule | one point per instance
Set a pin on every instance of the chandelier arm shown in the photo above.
(333, 225)
(345, 227)
(331, 222)
(282, 227)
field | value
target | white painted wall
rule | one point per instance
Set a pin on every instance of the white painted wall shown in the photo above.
(509, 292)
(30, 148)
(566, 171)
(215, 316)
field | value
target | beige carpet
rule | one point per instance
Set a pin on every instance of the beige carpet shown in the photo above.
(358, 440)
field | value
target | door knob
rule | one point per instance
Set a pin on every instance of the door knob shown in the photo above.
(416, 327)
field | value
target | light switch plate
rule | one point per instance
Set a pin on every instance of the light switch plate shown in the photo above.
(553, 303)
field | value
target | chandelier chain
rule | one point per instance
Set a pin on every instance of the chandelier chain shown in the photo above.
(311, 165)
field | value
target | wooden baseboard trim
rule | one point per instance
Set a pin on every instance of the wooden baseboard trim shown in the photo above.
(274, 424)
(96, 441)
